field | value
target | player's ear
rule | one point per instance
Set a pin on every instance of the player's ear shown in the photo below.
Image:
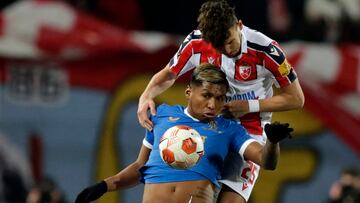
(187, 92)
(240, 24)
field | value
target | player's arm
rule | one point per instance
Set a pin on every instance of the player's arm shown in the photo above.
(160, 82)
(164, 79)
(289, 98)
(290, 95)
(267, 156)
(128, 177)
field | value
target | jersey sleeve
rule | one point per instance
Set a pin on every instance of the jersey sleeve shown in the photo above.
(148, 140)
(276, 62)
(241, 139)
(183, 60)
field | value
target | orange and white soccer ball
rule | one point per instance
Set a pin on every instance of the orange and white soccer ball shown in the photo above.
(181, 147)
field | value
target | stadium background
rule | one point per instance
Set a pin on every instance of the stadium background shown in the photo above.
(71, 73)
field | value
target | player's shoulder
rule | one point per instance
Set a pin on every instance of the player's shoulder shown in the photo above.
(229, 124)
(255, 37)
(166, 109)
(261, 43)
(194, 35)
(194, 40)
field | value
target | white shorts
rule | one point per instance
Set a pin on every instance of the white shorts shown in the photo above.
(241, 175)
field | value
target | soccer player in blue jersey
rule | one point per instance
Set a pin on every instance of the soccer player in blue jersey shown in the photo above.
(206, 97)
(253, 63)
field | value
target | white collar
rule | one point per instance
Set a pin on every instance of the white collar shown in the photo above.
(186, 111)
(243, 40)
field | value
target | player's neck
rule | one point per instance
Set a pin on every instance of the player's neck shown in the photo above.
(188, 113)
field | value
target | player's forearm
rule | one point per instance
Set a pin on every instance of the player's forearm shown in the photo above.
(160, 82)
(279, 103)
(128, 177)
(289, 98)
(270, 156)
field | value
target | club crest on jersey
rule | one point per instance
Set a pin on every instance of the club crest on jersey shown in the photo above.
(245, 71)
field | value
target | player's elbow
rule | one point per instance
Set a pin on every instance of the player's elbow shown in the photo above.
(301, 101)
(298, 101)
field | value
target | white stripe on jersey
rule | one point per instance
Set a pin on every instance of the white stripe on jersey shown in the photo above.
(195, 58)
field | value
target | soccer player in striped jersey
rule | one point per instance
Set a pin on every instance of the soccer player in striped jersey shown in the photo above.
(206, 97)
(253, 63)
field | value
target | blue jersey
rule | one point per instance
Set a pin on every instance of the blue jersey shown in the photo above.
(221, 136)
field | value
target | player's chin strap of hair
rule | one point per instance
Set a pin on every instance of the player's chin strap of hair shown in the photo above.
(254, 105)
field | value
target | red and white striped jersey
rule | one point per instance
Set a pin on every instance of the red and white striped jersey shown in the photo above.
(251, 74)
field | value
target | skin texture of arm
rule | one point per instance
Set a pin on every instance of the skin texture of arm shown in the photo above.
(160, 82)
(266, 156)
(289, 98)
(129, 176)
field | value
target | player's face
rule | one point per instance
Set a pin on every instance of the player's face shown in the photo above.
(232, 45)
(205, 102)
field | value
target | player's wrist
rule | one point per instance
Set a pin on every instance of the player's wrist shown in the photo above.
(92, 193)
(98, 190)
(254, 105)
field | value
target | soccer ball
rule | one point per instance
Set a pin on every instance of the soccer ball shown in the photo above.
(181, 147)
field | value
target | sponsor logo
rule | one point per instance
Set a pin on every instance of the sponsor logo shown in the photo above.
(245, 186)
(211, 60)
(273, 51)
(173, 119)
(244, 96)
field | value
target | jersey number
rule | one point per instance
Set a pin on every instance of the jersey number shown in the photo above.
(248, 172)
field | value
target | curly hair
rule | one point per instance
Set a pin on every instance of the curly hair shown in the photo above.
(215, 19)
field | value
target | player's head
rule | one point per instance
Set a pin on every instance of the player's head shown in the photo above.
(220, 26)
(349, 176)
(206, 91)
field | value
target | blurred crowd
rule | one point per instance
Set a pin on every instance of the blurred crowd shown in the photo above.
(347, 188)
(334, 21)
(18, 184)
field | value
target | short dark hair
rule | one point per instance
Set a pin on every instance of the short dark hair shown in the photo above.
(215, 19)
(209, 73)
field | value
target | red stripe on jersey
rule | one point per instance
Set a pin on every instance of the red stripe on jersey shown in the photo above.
(183, 57)
(273, 67)
(208, 54)
(252, 123)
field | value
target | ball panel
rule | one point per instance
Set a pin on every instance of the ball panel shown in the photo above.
(188, 145)
(168, 156)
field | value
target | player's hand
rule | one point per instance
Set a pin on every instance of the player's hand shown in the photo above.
(92, 193)
(276, 131)
(226, 113)
(144, 105)
(238, 107)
